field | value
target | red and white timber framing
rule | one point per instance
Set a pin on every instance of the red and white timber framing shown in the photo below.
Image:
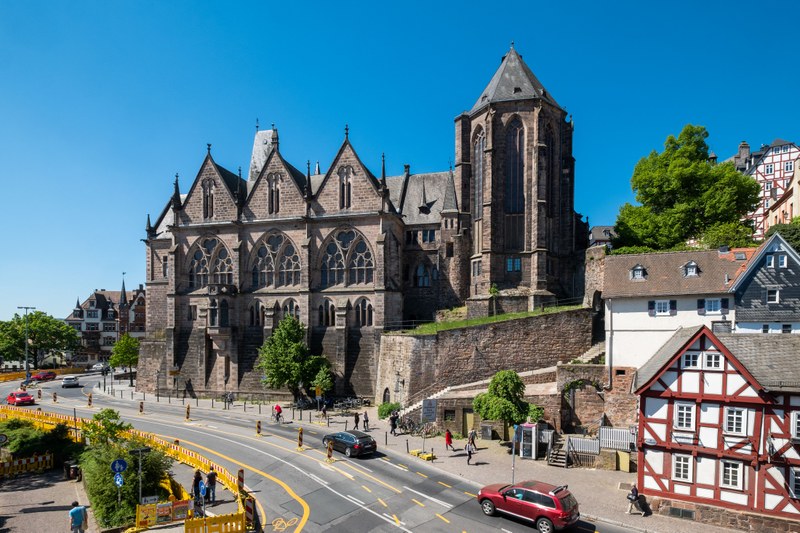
(773, 173)
(733, 444)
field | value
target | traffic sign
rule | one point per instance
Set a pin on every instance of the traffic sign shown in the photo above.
(149, 500)
(120, 465)
(3, 439)
(118, 480)
(202, 489)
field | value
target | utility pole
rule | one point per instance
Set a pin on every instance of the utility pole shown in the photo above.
(140, 451)
(27, 367)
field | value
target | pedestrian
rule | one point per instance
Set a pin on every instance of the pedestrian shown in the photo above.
(211, 486)
(393, 422)
(78, 519)
(633, 501)
(473, 434)
(448, 440)
(324, 411)
(469, 453)
(198, 478)
(366, 421)
(355, 418)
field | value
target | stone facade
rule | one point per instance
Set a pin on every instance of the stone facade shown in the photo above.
(724, 517)
(351, 255)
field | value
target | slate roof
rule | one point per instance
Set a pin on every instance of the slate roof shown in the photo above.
(262, 146)
(664, 273)
(423, 199)
(513, 80)
(772, 359)
(601, 233)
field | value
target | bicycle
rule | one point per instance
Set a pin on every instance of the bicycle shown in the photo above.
(277, 417)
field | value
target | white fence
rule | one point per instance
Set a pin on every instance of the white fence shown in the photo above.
(583, 445)
(617, 439)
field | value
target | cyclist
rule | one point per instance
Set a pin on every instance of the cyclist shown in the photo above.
(278, 413)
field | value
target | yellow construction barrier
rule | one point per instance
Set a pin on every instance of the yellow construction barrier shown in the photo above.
(36, 463)
(223, 523)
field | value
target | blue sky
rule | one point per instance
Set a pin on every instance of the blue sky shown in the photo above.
(101, 103)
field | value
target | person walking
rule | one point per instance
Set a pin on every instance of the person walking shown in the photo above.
(198, 478)
(473, 434)
(355, 418)
(469, 453)
(448, 440)
(211, 486)
(78, 519)
(366, 421)
(633, 501)
(393, 422)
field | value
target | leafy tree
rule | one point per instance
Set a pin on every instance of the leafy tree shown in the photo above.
(504, 400)
(106, 427)
(323, 379)
(24, 440)
(733, 234)
(125, 353)
(284, 358)
(790, 232)
(45, 334)
(683, 196)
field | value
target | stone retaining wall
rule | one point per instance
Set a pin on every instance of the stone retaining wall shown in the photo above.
(720, 516)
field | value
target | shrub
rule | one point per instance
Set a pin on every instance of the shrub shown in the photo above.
(535, 412)
(385, 409)
(24, 440)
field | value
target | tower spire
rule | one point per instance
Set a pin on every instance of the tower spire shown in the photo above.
(208, 148)
(176, 195)
(123, 296)
(383, 170)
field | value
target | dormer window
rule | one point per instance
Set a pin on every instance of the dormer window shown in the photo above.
(91, 303)
(690, 269)
(638, 273)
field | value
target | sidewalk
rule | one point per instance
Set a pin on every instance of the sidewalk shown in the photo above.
(600, 493)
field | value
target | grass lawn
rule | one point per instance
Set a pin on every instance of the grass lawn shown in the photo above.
(433, 327)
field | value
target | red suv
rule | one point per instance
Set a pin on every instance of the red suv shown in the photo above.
(44, 376)
(548, 506)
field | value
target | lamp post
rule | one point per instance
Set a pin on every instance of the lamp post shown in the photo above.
(140, 451)
(27, 367)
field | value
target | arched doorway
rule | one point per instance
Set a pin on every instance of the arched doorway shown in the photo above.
(386, 398)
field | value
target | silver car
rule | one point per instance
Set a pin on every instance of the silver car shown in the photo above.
(70, 381)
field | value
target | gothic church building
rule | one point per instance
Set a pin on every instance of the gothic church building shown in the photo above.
(352, 254)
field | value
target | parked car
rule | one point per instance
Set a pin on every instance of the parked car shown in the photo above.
(351, 443)
(20, 398)
(549, 507)
(70, 381)
(99, 367)
(45, 375)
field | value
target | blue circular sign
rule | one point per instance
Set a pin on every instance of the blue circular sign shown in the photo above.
(119, 466)
(202, 489)
(118, 480)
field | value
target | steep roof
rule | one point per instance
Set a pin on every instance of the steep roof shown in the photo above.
(513, 80)
(771, 359)
(424, 198)
(664, 275)
(775, 243)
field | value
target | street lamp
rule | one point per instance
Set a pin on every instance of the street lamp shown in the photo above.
(140, 451)
(27, 367)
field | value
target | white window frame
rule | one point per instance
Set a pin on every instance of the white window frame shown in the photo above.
(691, 270)
(713, 306)
(785, 148)
(794, 420)
(769, 168)
(679, 408)
(731, 415)
(788, 166)
(690, 360)
(794, 482)
(662, 307)
(776, 299)
(738, 467)
(637, 273)
(713, 361)
(770, 261)
(782, 261)
(684, 460)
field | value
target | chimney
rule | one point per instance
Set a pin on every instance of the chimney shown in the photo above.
(724, 249)
(407, 169)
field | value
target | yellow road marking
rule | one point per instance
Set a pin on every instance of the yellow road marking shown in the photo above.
(444, 484)
(373, 478)
(470, 494)
(397, 520)
(383, 502)
(418, 503)
(421, 474)
(401, 465)
(366, 488)
(287, 488)
(443, 518)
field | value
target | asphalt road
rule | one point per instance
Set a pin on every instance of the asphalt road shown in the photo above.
(300, 490)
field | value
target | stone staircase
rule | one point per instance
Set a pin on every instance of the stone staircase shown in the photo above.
(413, 407)
(558, 453)
(592, 355)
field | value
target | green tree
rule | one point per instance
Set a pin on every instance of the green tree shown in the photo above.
(106, 427)
(284, 358)
(504, 400)
(323, 379)
(45, 334)
(682, 195)
(733, 234)
(125, 353)
(790, 232)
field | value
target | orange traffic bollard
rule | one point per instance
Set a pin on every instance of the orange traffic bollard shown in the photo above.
(188, 412)
(300, 439)
(240, 480)
(89, 400)
(39, 394)
(258, 428)
(55, 398)
(141, 408)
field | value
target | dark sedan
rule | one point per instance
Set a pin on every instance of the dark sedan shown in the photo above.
(351, 443)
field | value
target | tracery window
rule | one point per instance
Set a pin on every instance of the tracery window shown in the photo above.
(327, 314)
(363, 313)
(291, 308)
(345, 187)
(477, 167)
(208, 198)
(210, 261)
(421, 276)
(514, 197)
(274, 194)
(275, 251)
(289, 269)
(223, 267)
(348, 258)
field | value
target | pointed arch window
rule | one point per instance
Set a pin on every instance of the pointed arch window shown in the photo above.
(224, 318)
(514, 189)
(223, 267)
(289, 268)
(347, 258)
(199, 264)
(213, 313)
(421, 276)
(345, 186)
(208, 198)
(291, 308)
(274, 194)
(363, 313)
(263, 271)
(327, 314)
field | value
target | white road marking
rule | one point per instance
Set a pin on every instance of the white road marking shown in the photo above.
(318, 479)
(397, 466)
(213, 427)
(391, 518)
(505, 530)
(431, 498)
(359, 502)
